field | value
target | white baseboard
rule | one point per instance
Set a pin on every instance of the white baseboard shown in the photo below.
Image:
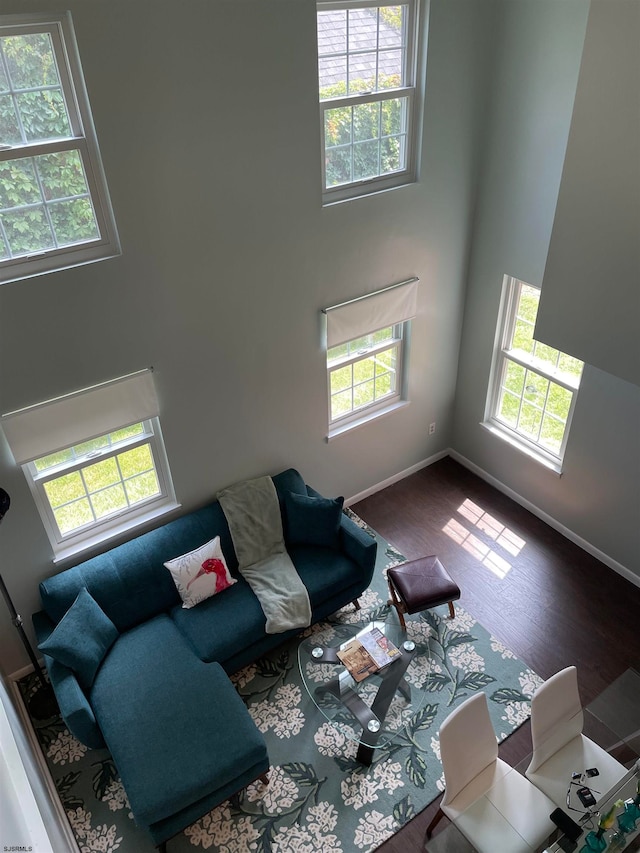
(626, 573)
(396, 478)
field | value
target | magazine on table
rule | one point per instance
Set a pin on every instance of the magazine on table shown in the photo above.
(369, 652)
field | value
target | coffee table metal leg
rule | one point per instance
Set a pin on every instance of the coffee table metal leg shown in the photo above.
(371, 718)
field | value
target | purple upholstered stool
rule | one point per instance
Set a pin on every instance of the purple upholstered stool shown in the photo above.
(420, 584)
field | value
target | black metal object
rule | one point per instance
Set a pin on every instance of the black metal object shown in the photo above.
(42, 705)
(392, 680)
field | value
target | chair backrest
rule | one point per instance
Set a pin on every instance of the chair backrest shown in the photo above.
(556, 715)
(467, 744)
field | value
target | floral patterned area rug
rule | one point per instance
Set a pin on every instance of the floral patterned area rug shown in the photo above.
(320, 798)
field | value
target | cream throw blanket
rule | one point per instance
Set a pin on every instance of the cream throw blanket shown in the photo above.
(252, 511)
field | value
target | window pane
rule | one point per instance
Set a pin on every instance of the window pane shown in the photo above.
(341, 404)
(34, 217)
(366, 122)
(381, 335)
(142, 487)
(32, 66)
(99, 443)
(528, 303)
(109, 500)
(73, 221)
(363, 29)
(18, 184)
(53, 459)
(43, 116)
(332, 74)
(514, 377)
(75, 515)
(101, 474)
(30, 60)
(547, 356)
(363, 370)
(27, 230)
(509, 408)
(356, 160)
(551, 433)
(523, 336)
(362, 73)
(332, 31)
(341, 379)
(135, 461)
(570, 365)
(67, 488)
(559, 401)
(390, 69)
(338, 166)
(126, 432)
(530, 420)
(365, 160)
(363, 394)
(391, 155)
(9, 127)
(384, 385)
(337, 126)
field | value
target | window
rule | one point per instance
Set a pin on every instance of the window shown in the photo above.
(364, 373)
(367, 353)
(367, 88)
(534, 386)
(54, 205)
(88, 489)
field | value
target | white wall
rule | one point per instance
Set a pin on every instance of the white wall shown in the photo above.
(590, 300)
(208, 126)
(598, 495)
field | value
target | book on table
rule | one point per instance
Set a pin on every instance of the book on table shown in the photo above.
(369, 652)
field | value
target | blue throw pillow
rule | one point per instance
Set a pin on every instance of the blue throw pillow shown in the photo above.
(82, 638)
(312, 521)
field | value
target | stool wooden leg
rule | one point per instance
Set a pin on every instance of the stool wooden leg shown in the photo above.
(264, 778)
(356, 604)
(397, 603)
(452, 611)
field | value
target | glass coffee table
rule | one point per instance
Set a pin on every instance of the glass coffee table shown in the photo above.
(377, 709)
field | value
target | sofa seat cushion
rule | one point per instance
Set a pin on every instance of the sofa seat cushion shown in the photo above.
(176, 727)
(323, 571)
(221, 626)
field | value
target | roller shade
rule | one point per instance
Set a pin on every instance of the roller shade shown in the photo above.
(55, 424)
(366, 314)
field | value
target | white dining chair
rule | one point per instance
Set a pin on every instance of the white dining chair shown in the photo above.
(490, 803)
(559, 747)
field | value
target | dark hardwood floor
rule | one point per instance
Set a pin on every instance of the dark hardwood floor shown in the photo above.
(547, 600)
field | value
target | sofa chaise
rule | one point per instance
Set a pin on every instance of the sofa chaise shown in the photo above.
(138, 669)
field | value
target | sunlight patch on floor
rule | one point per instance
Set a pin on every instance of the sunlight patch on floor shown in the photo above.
(491, 527)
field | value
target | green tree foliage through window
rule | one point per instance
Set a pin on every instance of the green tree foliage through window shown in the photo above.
(54, 208)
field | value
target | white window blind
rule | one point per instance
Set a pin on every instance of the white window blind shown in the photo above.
(56, 424)
(359, 317)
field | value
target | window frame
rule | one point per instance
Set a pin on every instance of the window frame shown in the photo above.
(388, 403)
(503, 355)
(83, 140)
(66, 544)
(407, 175)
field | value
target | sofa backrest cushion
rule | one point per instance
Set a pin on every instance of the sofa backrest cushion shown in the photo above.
(130, 582)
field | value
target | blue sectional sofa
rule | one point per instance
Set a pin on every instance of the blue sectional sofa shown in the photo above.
(165, 677)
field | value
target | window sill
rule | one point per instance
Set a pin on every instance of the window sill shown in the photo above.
(503, 435)
(342, 429)
(98, 539)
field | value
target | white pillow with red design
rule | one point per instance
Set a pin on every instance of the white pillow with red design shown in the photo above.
(200, 573)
